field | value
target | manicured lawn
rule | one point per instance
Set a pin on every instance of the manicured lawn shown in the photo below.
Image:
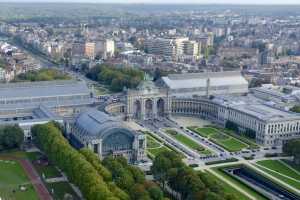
(280, 168)
(158, 150)
(187, 141)
(229, 189)
(240, 184)
(12, 176)
(154, 146)
(227, 142)
(152, 143)
(61, 189)
(231, 144)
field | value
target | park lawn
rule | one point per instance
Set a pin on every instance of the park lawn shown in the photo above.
(231, 144)
(152, 143)
(60, 189)
(246, 188)
(11, 177)
(224, 140)
(289, 181)
(291, 164)
(229, 189)
(156, 151)
(279, 167)
(188, 142)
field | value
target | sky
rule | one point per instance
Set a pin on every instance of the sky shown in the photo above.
(171, 1)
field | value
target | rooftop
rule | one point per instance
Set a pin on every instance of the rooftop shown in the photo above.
(196, 80)
(42, 89)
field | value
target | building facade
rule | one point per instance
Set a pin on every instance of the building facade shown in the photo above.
(105, 136)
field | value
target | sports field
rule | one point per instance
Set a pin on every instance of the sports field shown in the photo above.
(226, 141)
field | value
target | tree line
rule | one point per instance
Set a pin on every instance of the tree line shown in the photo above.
(169, 170)
(116, 78)
(78, 170)
(112, 178)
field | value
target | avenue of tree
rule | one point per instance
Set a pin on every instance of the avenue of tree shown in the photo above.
(110, 179)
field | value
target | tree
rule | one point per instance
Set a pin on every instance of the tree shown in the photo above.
(79, 171)
(11, 136)
(292, 148)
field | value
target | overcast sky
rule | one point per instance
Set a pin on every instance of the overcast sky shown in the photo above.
(171, 1)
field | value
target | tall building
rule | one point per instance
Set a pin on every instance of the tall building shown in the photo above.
(90, 50)
(191, 48)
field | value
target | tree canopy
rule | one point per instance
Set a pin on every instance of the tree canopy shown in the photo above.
(116, 78)
(42, 75)
(169, 169)
(11, 136)
(292, 148)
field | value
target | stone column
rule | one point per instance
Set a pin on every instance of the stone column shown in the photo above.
(143, 109)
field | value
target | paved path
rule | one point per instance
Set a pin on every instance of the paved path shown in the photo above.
(235, 186)
(35, 180)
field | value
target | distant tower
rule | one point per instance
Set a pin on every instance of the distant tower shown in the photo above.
(207, 87)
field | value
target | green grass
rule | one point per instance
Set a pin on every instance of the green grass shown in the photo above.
(280, 168)
(292, 164)
(227, 142)
(60, 189)
(249, 141)
(156, 151)
(231, 144)
(152, 143)
(188, 142)
(229, 189)
(11, 177)
(246, 188)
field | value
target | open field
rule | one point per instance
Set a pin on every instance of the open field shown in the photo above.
(12, 176)
(241, 185)
(280, 171)
(187, 141)
(227, 142)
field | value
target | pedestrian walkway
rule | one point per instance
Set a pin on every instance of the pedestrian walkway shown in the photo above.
(235, 186)
(35, 180)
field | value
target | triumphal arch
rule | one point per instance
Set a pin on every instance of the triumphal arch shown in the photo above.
(148, 101)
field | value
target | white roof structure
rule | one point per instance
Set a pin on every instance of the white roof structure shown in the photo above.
(196, 80)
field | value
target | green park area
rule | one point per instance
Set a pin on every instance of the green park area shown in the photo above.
(188, 142)
(155, 146)
(12, 179)
(281, 171)
(226, 141)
